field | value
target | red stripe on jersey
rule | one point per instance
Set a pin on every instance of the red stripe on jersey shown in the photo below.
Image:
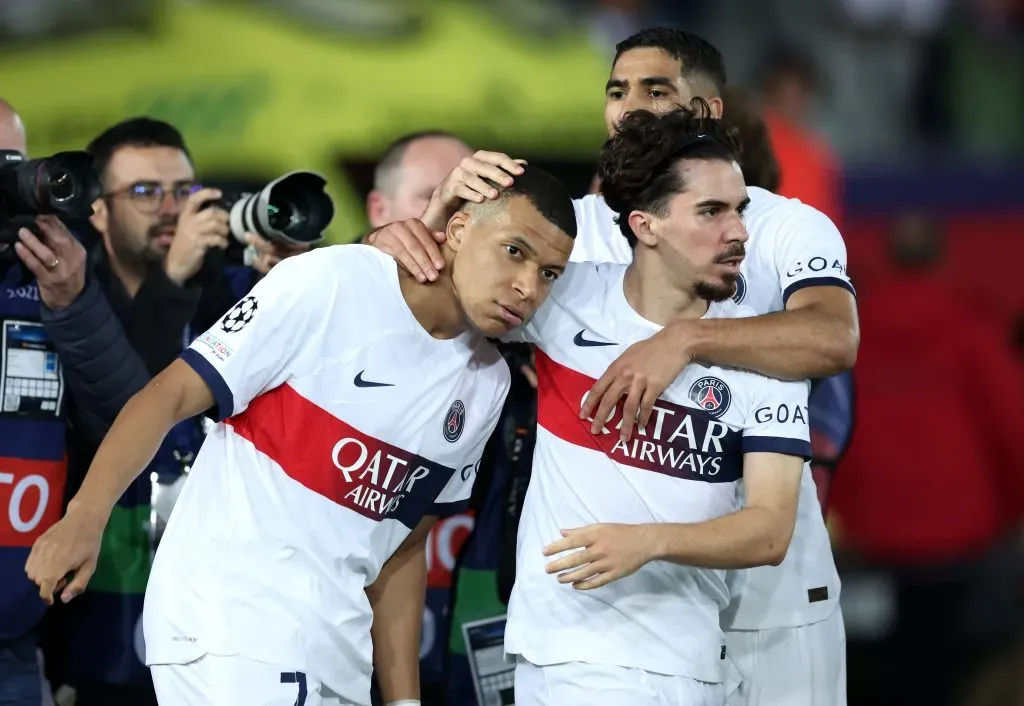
(336, 460)
(678, 441)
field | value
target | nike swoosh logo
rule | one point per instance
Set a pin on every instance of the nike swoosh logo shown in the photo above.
(586, 343)
(359, 382)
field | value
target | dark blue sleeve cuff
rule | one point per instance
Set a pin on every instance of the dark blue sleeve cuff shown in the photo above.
(777, 445)
(221, 392)
(444, 510)
(817, 282)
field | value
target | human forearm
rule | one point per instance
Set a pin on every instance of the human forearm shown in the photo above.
(175, 394)
(790, 345)
(753, 536)
(397, 599)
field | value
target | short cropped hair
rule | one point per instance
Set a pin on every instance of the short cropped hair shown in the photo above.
(639, 163)
(544, 192)
(395, 152)
(134, 132)
(697, 56)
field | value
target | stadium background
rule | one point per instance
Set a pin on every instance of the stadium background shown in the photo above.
(260, 88)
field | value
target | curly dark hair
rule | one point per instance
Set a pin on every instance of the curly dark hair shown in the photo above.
(638, 163)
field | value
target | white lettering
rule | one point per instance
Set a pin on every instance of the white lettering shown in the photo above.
(347, 469)
(395, 463)
(18, 495)
(712, 438)
(685, 429)
(415, 475)
(371, 468)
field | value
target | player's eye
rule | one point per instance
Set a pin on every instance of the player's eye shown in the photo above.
(615, 95)
(550, 275)
(513, 251)
(656, 94)
(712, 211)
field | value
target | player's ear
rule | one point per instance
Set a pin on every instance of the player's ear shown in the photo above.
(716, 106)
(640, 223)
(377, 209)
(456, 230)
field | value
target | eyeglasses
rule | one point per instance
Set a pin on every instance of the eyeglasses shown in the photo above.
(148, 196)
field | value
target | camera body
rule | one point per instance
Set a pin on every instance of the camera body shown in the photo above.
(293, 209)
(64, 185)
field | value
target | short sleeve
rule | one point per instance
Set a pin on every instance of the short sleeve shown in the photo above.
(256, 346)
(810, 252)
(777, 420)
(454, 497)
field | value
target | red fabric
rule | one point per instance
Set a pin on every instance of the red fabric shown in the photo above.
(936, 468)
(810, 171)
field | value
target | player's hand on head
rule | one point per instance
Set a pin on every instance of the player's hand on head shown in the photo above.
(414, 246)
(640, 375)
(269, 253)
(199, 229)
(64, 557)
(467, 183)
(599, 554)
(57, 260)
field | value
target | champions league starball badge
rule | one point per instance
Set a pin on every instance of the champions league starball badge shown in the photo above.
(712, 395)
(239, 316)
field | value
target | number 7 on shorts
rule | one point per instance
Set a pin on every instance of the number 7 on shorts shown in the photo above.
(296, 678)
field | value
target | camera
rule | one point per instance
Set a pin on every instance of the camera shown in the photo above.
(64, 185)
(292, 209)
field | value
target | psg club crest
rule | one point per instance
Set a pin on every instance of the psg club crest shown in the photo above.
(712, 395)
(239, 316)
(741, 289)
(454, 421)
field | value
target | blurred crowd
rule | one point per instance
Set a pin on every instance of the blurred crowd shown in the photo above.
(926, 505)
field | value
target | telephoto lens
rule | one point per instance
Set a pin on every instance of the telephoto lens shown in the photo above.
(292, 209)
(64, 185)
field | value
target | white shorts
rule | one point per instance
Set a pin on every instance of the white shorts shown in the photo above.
(804, 666)
(213, 680)
(582, 684)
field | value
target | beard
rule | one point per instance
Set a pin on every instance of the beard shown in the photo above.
(726, 287)
(717, 291)
(140, 252)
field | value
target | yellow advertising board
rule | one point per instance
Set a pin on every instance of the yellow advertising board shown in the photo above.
(257, 94)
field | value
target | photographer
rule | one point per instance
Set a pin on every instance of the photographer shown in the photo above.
(36, 407)
(161, 263)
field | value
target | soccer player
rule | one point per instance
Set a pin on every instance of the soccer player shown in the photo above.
(354, 403)
(783, 627)
(632, 617)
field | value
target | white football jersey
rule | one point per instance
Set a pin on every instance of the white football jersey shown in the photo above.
(344, 424)
(683, 468)
(791, 246)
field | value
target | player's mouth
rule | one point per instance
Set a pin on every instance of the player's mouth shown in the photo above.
(732, 264)
(164, 236)
(511, 315)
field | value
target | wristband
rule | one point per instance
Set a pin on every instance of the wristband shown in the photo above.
(405, 702)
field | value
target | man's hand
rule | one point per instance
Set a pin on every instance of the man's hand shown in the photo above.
(198, 231)
(466, 183)
(269, 253)
(57, 260)
(641, 374)
(70, 547)
(601, 554)
(413, 245)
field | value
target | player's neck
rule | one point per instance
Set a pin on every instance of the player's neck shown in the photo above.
(434, 304)
(656, 295)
